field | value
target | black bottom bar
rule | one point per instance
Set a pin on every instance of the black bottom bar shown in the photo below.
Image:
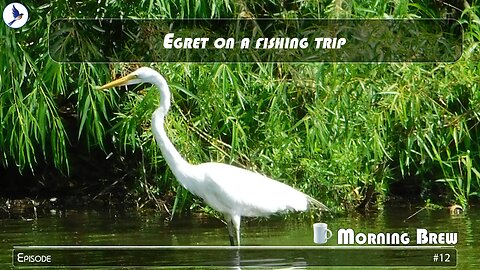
(102, 256)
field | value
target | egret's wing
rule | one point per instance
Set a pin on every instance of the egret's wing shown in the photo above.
(15, 12)
(230, 188)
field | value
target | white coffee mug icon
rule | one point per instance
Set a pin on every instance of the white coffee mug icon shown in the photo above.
(321, 233)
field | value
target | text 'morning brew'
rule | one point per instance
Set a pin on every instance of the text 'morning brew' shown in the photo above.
(423, 237)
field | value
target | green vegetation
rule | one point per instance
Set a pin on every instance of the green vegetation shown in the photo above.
(335, 131)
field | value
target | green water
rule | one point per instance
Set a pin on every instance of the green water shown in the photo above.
(85, 228)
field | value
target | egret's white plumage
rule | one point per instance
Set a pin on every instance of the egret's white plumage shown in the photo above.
(233, 191)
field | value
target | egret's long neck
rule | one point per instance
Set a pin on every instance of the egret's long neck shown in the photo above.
(175, 161)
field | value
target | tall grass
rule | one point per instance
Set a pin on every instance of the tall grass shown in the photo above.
(334, 131)
(36, 93)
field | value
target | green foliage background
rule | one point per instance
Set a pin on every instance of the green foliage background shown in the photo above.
(333, 131)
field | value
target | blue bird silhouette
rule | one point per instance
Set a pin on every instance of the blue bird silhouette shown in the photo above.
(16, 15)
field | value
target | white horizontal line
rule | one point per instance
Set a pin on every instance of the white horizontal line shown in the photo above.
(93, 247)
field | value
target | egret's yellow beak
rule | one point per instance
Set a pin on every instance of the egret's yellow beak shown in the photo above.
(129, 79)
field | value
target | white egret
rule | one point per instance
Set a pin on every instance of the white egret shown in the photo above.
(232, 191)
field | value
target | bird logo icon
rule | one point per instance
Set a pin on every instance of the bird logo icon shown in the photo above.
(15, 15)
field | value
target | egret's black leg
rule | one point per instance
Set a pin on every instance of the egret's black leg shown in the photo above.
(231, 229)
(232, 241)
